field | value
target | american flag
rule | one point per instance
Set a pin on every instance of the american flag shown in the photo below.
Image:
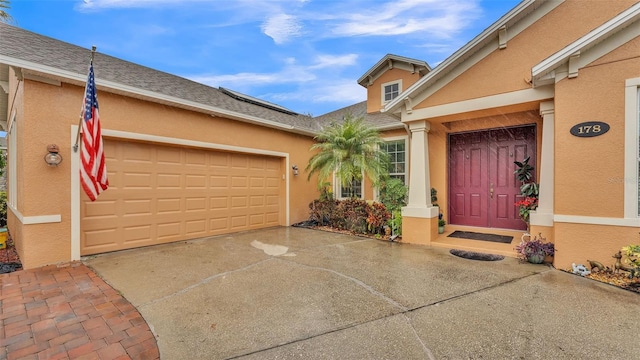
(93, 173)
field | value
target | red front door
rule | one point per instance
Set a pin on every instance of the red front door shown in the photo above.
(482, 186)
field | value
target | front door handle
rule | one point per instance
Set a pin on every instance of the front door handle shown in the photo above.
(491, 191)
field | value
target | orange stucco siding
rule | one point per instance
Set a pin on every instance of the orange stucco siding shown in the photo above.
(509, 69)
(374, 91)
(586, 169)
(48, 113)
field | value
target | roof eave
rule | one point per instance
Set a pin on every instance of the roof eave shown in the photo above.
(364, 79)
(110, 86)
(457, 57)
(543, 71)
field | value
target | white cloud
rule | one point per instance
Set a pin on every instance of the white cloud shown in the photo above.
(324, 61)
(105, 4)
(281, 28)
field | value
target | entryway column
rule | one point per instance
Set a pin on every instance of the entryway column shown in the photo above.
(543, 215)
(419, 217)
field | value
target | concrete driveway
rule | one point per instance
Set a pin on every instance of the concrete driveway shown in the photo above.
(287, 293)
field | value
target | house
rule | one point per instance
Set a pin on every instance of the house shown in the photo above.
(184, 160)
(556, 81)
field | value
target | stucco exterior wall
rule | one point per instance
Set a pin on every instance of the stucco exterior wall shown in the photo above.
(374, 92)
(49, 113)
(586, 168)
(510, 69)
(589, 171)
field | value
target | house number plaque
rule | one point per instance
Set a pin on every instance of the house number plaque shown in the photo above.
(589, 129)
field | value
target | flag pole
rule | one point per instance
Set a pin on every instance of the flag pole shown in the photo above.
(75, 146)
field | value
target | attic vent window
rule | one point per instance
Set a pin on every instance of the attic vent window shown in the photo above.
(391, 91)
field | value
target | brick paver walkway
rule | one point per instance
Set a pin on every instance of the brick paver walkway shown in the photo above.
(68, 312)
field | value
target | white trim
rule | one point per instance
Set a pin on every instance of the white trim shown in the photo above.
(543, 215)
(33, 220)
(487, 102)
(630, 180)
(370, 77)
(593, 220)
(189, 143)
(383, 90)
(426, 212)
(75, 169)
(595, 36)
(516, 20)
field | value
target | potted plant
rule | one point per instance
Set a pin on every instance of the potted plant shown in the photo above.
(441, 224)
(535, 250)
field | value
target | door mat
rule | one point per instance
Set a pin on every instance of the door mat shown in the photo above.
(475, 255)
(479, 236)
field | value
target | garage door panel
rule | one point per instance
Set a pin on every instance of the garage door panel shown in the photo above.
(160, 194)
(168, 181)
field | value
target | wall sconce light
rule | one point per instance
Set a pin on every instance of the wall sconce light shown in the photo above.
(53, 158)
(295, 170)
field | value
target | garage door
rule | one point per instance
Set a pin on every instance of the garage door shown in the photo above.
(160, 194)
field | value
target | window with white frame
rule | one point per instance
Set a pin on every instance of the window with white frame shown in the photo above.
(354, 191)
(391, 90)
(397, 150)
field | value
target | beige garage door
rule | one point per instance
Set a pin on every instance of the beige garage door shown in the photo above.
(160, 194)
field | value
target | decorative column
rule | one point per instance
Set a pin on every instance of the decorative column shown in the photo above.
(543, 215)
(419, 217)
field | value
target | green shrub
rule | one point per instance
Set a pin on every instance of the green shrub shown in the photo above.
(3, 208)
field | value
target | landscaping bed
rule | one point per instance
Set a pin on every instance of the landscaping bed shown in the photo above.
(9, 260)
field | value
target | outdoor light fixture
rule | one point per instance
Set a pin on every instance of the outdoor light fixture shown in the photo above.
(295, 170)
(53, 158)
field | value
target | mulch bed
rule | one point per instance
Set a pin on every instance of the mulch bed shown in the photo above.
(620, 279)
(9, 260)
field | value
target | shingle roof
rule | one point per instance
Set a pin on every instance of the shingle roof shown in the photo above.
(20, 44)
(16, 43)
(376, 119)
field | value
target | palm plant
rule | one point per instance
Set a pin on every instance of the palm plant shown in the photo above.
(4, 15)
(348, 149)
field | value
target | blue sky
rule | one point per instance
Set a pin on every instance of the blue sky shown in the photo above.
(305, 55)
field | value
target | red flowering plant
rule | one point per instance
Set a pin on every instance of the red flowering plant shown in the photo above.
(525, 206)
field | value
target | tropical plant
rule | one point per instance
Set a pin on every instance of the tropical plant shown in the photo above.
(524, 173)
(4, 15)
(528, 188)
(633, 254)
(348, 149)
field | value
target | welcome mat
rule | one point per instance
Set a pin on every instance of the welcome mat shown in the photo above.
(483, 237)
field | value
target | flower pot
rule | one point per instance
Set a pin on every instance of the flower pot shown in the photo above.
(536, 258)
(440, 229)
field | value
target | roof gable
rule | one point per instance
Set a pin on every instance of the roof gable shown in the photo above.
(391, 61)
(494, 37)
(566, 62)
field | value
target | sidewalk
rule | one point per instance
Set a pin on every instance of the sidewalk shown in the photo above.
(68, 312)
